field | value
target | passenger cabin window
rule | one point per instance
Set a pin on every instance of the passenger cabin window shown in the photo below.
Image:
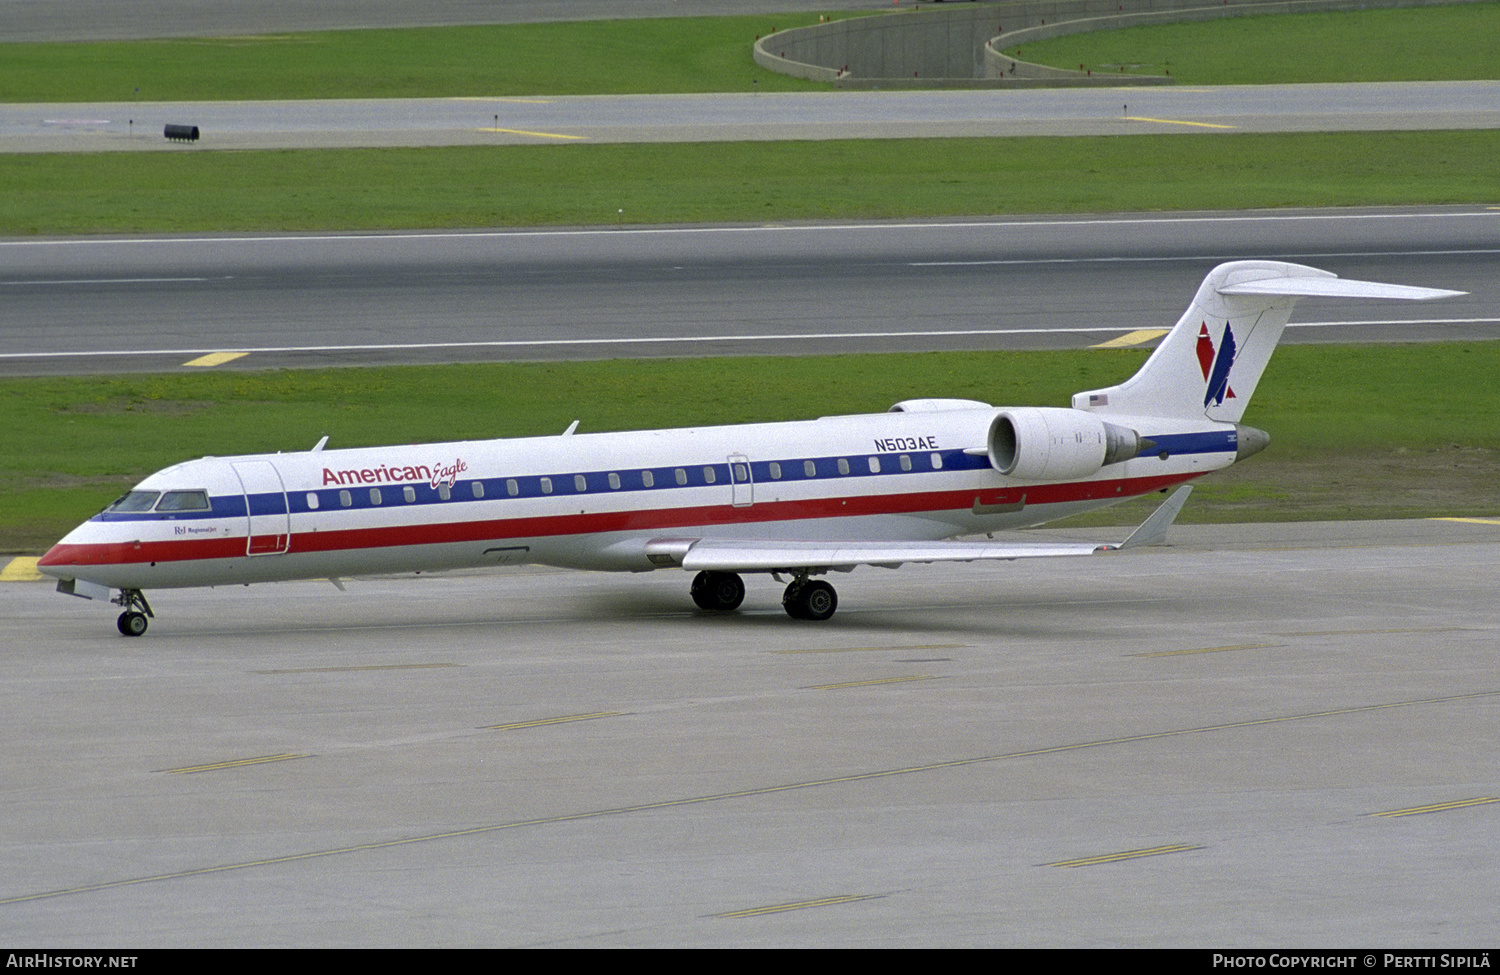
(741, 473)
(874, 465)
(681, 476)
(708, 475)
(478, 489)
(614, 481)
(843, 466)
(444, 492)
(345, 498)
(135, 501)
(546, 485)
(183, 501)
(647, 479)
(937, 462)
(775, 471)
(579, 484)
(375, 495)
(906, 462)
(409, 493)
(512, 488)
(809, 468)
(312, 500)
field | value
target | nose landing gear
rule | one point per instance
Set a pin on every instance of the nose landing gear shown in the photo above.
(132, 622)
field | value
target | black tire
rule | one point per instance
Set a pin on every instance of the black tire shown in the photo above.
(810, 601)
(718, 591)
(131, 623)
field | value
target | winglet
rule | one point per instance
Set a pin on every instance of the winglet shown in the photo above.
(1153, 530)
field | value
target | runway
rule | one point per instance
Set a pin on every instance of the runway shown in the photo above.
(1261, 736)
(84, 305)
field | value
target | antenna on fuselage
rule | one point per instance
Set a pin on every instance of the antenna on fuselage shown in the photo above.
(571, 427)
(319, 445)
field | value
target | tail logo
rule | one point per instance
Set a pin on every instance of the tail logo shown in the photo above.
(1216, 364)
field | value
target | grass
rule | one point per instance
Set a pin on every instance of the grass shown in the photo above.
(1451, 43)
(713, 54)
(1418, 447)
(368, 189)
(688, 54)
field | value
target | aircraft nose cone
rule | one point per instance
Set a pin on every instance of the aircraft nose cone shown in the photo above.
(1250, 441)
(55, 556)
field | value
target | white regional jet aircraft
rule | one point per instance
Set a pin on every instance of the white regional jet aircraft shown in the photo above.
(795, 499)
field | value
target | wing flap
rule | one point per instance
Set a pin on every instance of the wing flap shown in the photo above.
(767, 555)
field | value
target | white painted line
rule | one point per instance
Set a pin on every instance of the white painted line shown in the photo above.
(47, 283)
(689, 339)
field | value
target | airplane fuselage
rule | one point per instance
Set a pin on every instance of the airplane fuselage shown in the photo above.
(593, 501)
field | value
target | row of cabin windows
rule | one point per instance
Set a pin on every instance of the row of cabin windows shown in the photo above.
(140, 501)
(739, 471)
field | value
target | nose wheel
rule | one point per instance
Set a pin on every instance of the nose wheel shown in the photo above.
(133, 621)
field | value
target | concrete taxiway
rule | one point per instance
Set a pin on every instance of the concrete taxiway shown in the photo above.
(344, 123)
(1259, 735)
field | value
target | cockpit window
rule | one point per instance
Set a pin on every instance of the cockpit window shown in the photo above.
(135, 501)
(183, 501)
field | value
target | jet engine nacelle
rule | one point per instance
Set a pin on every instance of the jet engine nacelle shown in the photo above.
(1052, 443)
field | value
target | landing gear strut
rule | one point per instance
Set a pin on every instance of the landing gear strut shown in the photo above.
(132, 622)
(719, 591)
(808, 599)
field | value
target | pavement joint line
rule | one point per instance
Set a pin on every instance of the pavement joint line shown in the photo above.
(540, 722)
(1437, 807)
(869, 683)
(1126, 855)
(797, 905)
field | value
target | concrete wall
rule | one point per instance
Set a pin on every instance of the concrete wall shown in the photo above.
(960, 46)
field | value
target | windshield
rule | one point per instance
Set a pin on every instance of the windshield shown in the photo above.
(135, 501)
(183, 501)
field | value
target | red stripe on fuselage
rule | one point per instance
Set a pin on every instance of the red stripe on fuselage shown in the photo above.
(653, 520)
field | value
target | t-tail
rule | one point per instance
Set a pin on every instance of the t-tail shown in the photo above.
(1210, 363)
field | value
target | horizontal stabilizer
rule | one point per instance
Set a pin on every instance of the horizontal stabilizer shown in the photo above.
(1303, 287)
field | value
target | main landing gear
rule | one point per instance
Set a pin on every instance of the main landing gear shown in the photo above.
(804, 599)
(132, 622)
(808, 599)
(721, 591)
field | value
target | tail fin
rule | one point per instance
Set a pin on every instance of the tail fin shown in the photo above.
(1211, 362)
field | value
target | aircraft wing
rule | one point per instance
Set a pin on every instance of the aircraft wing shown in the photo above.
(761, 555)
